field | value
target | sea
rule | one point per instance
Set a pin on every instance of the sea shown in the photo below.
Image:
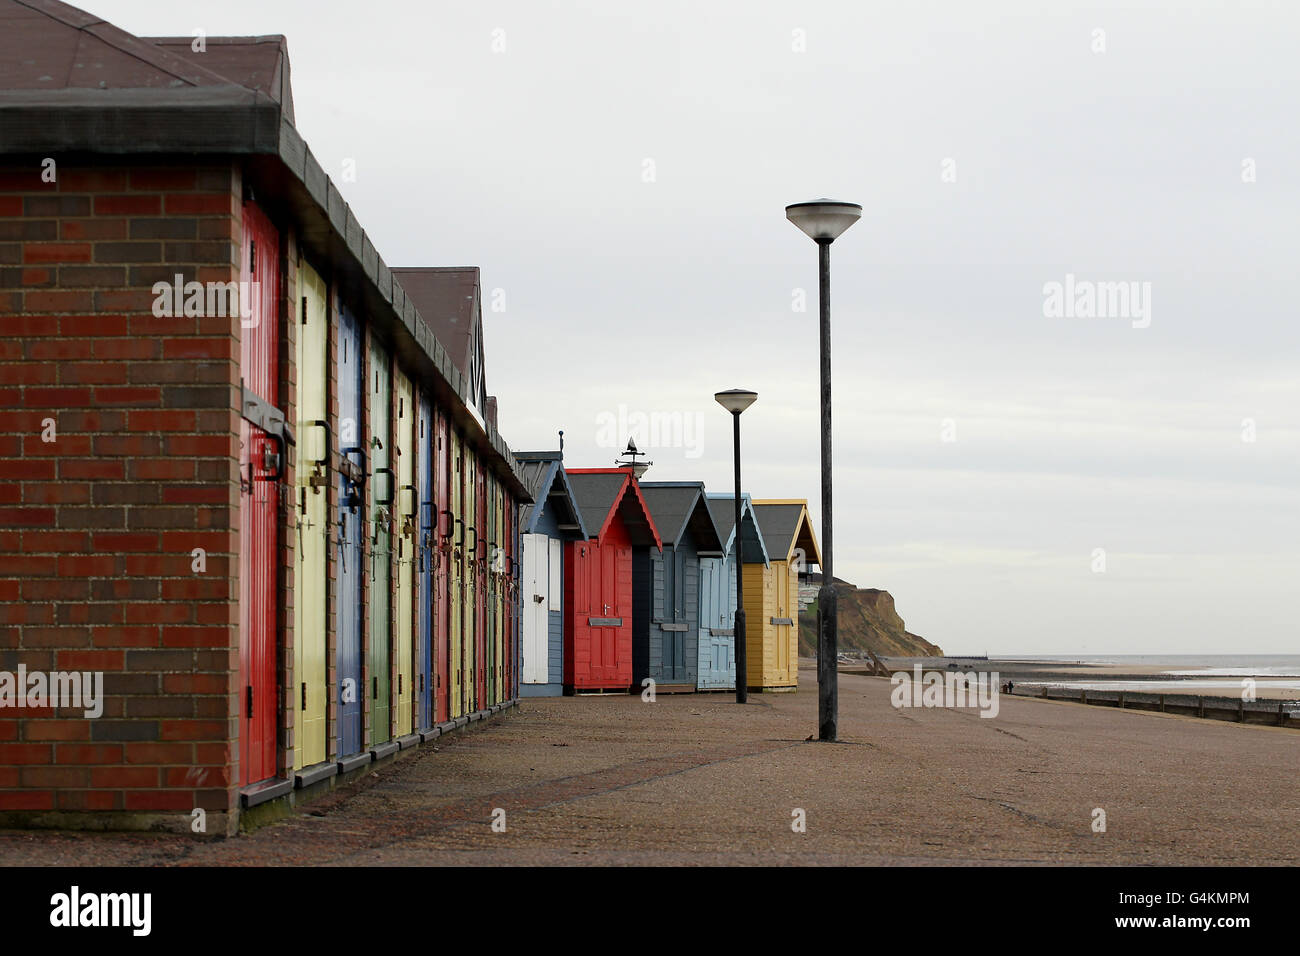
(1204, 672)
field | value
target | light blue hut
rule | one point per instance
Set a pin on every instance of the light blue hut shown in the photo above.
(666, 603)
(544, 526)
(717, 662)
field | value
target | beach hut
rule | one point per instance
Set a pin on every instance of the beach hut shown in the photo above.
(598, 593)
(497, 570)
(457, 580)
(772, 593)
(262, 453)
(510, 580)
(545, 526)
(717, 667)
(490, 583)
(381, 489)
(666, 583)
(479, 667)
(353, 465)
(469, 581)
(311, 480)
(406, 517)
(444, 536)
(425, 551)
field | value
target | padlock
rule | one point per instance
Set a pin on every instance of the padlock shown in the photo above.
(270, 459)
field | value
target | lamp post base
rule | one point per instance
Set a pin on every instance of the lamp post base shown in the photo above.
(742, 675)
(827, 666)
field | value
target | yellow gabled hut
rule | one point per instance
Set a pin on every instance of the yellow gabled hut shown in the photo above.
(772, 593)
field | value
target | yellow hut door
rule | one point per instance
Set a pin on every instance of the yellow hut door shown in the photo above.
(311, 469)
(767, 657)
(787, 609)
(456, 628)
(407, 509)
(758, 627)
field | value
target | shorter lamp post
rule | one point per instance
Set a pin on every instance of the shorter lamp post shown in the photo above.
(736, 400)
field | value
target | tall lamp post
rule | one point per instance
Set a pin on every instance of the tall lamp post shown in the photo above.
(736, 400)
(824, 221)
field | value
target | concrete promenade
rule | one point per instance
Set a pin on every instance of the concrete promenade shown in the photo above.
(697, 780)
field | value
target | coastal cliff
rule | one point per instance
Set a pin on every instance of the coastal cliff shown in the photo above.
(868, 621)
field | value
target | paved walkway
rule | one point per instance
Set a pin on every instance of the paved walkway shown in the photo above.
(695, 779)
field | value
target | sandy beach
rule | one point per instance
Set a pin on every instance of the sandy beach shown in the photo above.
(699, 780)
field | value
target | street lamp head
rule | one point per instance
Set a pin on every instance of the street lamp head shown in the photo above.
(736, 400)
(823, 220)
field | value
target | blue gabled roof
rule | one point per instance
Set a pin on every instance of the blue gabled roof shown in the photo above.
(677, 506)
(541, 471)
(722, 507)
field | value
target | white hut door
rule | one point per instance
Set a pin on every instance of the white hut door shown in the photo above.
(536, 602)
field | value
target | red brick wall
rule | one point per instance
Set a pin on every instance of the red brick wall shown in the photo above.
(99, 525)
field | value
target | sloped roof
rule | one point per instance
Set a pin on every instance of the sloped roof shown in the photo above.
(72, 83)
(544, 476)
(256, 63)
(678, 507)
(603, 492)
(47, 45)
(723, 509)
(785, 527)
(447, 298)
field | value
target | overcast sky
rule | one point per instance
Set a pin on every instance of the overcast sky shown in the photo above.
(620, 177)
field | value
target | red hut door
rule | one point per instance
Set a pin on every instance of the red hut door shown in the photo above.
(511, 594)
(604, 614)
(261, 464)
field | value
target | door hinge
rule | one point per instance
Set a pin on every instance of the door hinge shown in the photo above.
(304, 695)
(249, 697)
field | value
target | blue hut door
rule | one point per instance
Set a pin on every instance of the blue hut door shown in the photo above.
(351, 498)
(672, 642)
(710, 620)
(716, 589)
(677, 658)
(424, 560)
